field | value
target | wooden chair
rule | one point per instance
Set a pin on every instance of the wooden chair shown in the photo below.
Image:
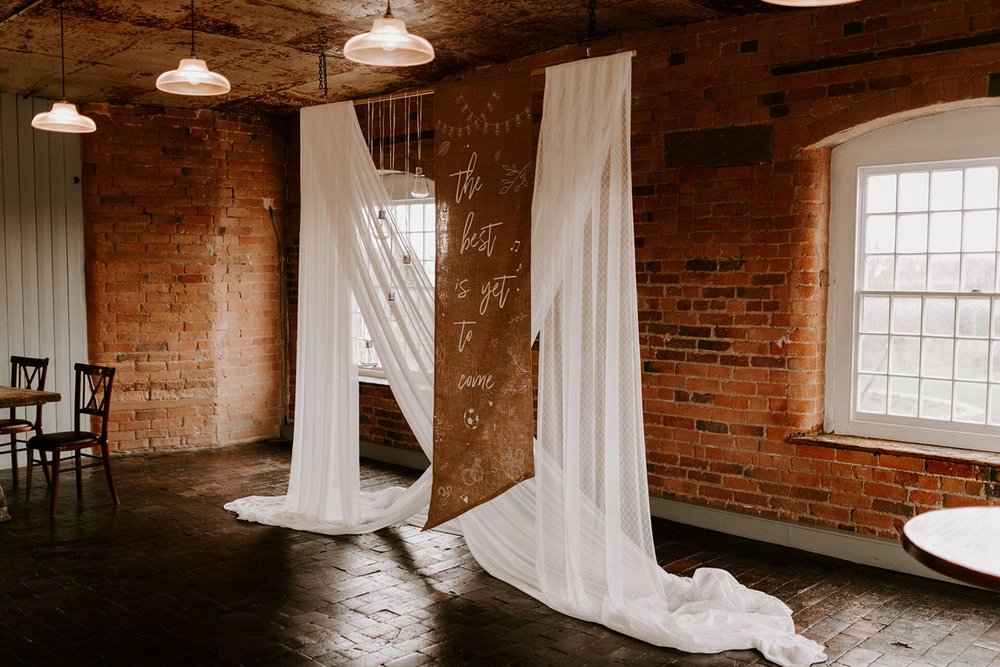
(25, 373)
(92, 397)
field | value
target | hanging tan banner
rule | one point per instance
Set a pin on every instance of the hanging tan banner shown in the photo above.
(482, 374)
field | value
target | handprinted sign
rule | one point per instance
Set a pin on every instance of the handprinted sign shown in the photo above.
(482, 374)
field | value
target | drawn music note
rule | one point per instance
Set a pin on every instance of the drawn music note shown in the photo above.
(516, 246)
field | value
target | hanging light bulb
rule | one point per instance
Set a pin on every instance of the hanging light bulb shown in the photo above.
(418, 187)
(367, 358)
(407, 270)
(381, 229)
(391, 305)
(192, 76)
(389, 44)
(63, 117)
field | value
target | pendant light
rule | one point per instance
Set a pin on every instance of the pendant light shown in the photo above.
(192, 76)
(809, 3)
(388, 44)
(63, 117)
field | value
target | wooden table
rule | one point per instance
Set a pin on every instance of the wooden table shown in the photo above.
(12, 397)
(962, 543)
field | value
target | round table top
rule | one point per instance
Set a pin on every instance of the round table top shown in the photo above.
(962, 543)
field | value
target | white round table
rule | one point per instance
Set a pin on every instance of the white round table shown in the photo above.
(962, 543)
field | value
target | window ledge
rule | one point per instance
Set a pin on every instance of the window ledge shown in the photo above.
(877, 446)
(373, 379)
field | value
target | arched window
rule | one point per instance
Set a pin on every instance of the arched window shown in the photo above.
(913, 330)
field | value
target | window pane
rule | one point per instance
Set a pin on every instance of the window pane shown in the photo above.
(974, 318)
(871, 393)
(873, 354)
(980, 232)
(970, 402)
(904, 355)
(943, 273)
(971, 359)
(911, 233)
(880, 233)
(906, 315)
(911, 272)
(935, 399)
(978, 272)
(994, 404)
(981, 187)
(875, 314)
(878, 272)
(939, 317)
(913, 189)
(946, 190)
(881, 193)
(937, 358)
(903, 394)
(945, 232)
(995, 362)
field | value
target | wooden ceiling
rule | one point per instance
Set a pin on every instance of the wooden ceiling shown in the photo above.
(269, 48)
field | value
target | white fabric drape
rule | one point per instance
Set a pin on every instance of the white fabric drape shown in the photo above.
(342, 249)
(578, 536)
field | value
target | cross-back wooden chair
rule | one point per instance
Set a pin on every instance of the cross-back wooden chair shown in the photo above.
(25, 373)
(92, 398)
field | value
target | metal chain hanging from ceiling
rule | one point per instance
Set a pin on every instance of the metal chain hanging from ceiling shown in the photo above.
(591, 23)
(324, 83)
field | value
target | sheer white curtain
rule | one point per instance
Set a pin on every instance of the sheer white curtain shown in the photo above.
(344, 247)
(578, 536)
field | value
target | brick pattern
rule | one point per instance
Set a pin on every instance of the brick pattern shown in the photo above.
(182, 272)
(731, 249)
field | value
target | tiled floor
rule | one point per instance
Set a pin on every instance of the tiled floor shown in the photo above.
(173, 579)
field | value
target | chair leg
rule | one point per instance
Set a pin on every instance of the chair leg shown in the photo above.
(54, 487)
(31, 467)
(45, 467)
(106, 457)
(13, 457)
(79, 483)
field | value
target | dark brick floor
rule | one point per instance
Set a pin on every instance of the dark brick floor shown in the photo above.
(173, 579)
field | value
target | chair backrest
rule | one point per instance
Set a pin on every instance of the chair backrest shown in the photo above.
(93, 394)
(29, 373)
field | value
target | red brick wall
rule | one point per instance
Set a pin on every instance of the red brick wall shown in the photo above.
(182, 272)
(731, 247)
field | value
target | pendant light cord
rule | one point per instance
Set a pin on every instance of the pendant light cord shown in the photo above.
(62, 49)
(388, 9)
(192, 28)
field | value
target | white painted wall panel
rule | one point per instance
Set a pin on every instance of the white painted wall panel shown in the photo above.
(42, 298)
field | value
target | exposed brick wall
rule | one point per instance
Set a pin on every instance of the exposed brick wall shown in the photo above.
(182, 272)
(732, 123)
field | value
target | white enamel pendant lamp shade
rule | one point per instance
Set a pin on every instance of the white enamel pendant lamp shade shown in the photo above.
(389, 44)
(192, 76)
(63, 117)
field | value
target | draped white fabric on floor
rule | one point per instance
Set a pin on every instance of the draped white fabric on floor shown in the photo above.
(578, 536)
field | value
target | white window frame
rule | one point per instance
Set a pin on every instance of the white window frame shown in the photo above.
(377, 374)
(960, 135)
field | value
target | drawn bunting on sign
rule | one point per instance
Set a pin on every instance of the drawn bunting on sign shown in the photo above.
(483, 412)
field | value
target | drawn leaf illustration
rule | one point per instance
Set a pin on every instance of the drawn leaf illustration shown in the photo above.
(443, 150)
